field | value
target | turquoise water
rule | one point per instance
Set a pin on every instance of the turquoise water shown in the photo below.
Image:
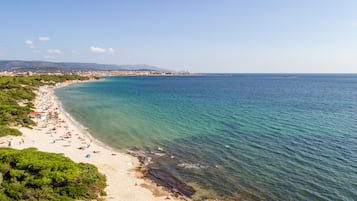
(250, 137)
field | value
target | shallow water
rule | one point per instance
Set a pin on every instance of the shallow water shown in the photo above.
(255, 137)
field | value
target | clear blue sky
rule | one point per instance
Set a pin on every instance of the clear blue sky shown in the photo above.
(195, 35)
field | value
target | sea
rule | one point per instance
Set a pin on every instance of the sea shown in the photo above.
(232, 136)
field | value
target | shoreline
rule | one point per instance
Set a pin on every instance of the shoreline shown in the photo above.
(63, 134)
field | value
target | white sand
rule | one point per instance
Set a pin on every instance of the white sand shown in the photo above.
(123, 181)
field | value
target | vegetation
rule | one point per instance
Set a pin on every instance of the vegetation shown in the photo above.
(4, 130)
(15, 90)
(30, 174)
(45, 66)
(33, 175)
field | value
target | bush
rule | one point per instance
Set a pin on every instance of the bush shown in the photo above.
(20, 89)
(4, 130)
(33, 175)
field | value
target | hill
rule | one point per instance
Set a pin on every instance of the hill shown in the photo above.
(46, 66)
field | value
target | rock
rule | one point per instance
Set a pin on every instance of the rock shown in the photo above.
(169, 182)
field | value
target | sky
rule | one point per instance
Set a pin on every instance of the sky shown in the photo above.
(233, 36)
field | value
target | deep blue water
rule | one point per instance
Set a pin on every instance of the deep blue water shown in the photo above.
(245, 136)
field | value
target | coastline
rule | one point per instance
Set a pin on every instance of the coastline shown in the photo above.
(63, 134)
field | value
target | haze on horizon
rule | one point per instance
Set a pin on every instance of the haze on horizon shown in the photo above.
(235, 36)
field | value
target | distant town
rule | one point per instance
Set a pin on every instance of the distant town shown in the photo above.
(28, 68)
(97, 73)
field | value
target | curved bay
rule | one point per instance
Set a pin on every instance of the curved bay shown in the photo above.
(250, 137)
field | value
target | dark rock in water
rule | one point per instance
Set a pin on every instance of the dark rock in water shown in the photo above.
(142, 156)
(146, 157)
(135, 151)
(171, 183)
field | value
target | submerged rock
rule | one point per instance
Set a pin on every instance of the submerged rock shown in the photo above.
(192, 166)
(146, 158)
(142, 156)
(170, 182)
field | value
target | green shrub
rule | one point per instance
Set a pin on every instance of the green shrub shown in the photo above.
(4, 130)
(20, 89)
(33, 175)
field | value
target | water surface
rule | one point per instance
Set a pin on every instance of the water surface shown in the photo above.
(250, 137)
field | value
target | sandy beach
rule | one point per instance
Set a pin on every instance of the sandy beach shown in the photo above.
(57, 132)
